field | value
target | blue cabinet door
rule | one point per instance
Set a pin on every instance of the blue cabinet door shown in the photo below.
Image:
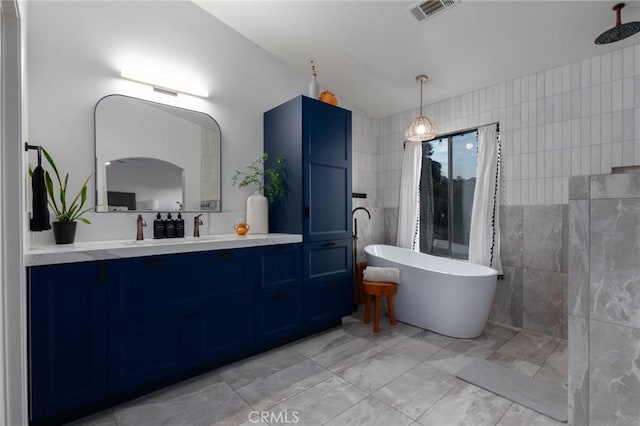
(67, 337)
(325, 303)
(278, 303)
(327, 171)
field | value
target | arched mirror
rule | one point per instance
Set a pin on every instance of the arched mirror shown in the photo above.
(155, 157)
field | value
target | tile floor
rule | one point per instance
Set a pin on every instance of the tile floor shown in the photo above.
(348, 375)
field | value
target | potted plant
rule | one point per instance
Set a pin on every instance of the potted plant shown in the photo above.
(67, 214)
(271, 180)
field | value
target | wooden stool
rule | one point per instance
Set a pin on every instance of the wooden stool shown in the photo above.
(378, 289)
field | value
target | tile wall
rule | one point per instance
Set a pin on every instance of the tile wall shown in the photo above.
(574, 119)
(604, 300)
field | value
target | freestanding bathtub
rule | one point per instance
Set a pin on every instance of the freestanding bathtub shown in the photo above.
(448, 296)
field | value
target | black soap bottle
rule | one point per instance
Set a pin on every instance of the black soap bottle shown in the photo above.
(158, 227)
(170, 227)
(179, 226)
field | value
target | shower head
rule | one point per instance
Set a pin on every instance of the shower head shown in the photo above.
(620, 31)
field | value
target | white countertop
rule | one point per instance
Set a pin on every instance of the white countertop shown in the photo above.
(100, 250)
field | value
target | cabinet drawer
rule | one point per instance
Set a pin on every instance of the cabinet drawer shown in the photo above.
(278, 317)
(327, 260)
(327, 302)
(142, 288)
(279, 268)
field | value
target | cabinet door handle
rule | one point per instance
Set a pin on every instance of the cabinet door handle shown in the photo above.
(329, 244)
(330, 284)
(280, 296)
(279, 248)
(225, 254)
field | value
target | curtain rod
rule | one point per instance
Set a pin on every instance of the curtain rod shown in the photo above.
(458, 132)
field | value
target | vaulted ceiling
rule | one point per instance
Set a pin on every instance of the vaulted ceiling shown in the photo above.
(369, 52)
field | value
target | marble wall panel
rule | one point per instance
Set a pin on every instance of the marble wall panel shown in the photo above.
(614, 374)
(390, 225)
(507, 302)
(578, 385)
(542, 301)
(615, 261)
(579, 187)
(578, 291)
(543, 233)
(511, 232)
(624, 185)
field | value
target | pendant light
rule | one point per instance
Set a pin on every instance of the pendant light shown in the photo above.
(421, 128)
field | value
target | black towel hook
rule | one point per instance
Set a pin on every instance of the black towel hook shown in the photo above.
(28, 147)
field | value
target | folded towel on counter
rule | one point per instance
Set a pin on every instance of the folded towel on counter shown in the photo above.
(389, 275)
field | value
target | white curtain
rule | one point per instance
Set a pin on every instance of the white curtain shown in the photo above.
(409, 211)
(484, 240)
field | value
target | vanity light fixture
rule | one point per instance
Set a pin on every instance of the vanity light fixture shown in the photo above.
(421, 128)
(161, 85)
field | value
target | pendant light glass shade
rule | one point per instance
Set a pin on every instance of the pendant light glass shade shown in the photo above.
(421, 128)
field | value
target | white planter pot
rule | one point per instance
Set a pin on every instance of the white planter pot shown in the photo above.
(258, 214)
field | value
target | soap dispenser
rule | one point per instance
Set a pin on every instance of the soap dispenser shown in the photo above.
(179, 226)
(170, 227)
(158, 227)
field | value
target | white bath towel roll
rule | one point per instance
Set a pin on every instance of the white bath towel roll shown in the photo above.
(389, 275)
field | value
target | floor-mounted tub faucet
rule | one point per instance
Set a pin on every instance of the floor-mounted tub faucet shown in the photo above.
(355, 221)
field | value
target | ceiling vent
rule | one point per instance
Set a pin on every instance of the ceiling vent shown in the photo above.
(428, 9)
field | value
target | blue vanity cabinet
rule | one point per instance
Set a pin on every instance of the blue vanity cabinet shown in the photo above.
(67, 337)
(172, 313)
(328, 291)
(278, 290)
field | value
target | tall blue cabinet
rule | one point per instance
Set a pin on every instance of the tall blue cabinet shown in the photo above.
(315, 139)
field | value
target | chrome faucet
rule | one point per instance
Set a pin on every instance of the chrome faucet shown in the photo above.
(355, 221)
(196, 225)
(139, 225)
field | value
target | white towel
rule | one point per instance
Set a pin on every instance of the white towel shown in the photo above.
(388, 275)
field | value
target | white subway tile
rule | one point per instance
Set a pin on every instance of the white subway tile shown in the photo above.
(595, 160)
(606, 97)
(595, 70)
(575, 162)
(605, 159)
(524, 166)
(533, 171)
(566, 134)
(637, 57)
(566, 162)
(566, 106)
(557, 190)
(533, 105)
(566, 78)
(533, 86)
(616, 154)
(539, 191)
(565, 190)
(605, 67)
(605, 130)
(524, 89)
(616, 65)
(540, 111)
(585, 73)
(616, 126)
(532, 192)
(524, 115)
(628, 125)
(548, 137)
(556, 157)
(540, 166)
(533, 139)
(576, 104)
(636, 90)
(548, 163)
(628, 156)
(627, 93)
(548, 191)
(548, 110)
(516, 192)
(637, 124)
(524, 192)
(585, 160)
(596, 130)
(557, 80)
(575, 76)
(548, 83)
(628, 62)
(585, 132)
(575, 132)
(616, 95)
(596, 101)
(557, 108)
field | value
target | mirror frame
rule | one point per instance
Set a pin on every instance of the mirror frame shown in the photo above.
(95, 146)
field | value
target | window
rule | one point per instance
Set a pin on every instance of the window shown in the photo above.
(445, 202)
